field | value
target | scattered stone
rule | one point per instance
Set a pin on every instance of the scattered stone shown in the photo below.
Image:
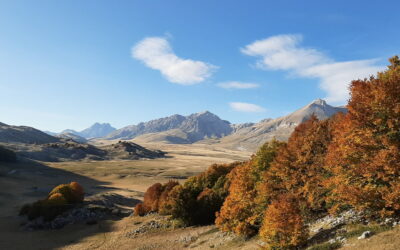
(147, 227)
(347, 217)
(341, 239)
(365, 235)
(332, 241)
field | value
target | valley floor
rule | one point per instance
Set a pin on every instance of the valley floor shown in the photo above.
(27, 181)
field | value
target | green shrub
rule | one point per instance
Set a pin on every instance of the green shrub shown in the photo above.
(200, 197)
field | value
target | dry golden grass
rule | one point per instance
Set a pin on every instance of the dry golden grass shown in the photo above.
(26, 182)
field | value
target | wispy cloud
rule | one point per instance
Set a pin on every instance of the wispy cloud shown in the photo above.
(238, 85)
(156, 53)
(246, 107)
(283, 52)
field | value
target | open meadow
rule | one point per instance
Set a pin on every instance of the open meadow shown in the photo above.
(28, 181)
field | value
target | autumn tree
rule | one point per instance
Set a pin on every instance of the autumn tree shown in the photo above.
(200, 197)
(283, 226)
(299, 167)
(154, 197)
(242, 211)
(365, 153)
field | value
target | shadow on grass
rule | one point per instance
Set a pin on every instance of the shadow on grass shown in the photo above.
(27, 181)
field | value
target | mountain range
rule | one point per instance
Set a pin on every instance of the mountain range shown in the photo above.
(95, 131)
(208, 128)
(177, 128)
(204, 127)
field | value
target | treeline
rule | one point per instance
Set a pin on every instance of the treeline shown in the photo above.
(351, 160)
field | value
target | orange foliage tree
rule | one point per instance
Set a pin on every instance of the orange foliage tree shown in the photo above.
(299, 167)
(283, 226)
(154, 197)
(365, 153)
(242, 210)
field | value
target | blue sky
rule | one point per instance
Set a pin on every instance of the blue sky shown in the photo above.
(68, 64)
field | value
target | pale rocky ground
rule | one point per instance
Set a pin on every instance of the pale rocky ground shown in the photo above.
(28, 181)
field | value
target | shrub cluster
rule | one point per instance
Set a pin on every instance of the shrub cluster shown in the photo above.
(200, 197)
(195, 202)
(155, 198)
(58, 201)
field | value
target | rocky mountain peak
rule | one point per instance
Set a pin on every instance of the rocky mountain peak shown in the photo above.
(319, 102)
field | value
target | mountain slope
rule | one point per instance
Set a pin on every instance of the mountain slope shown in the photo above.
(250, 137)
(97, 130)
(153, 126)
(72, 136)
(24, 134)
(177, 128)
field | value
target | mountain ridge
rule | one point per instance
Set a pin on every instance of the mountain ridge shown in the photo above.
(249, 138)
(97, 130)
(197, 126)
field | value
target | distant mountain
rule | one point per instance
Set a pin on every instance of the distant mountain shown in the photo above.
(68, 131)
(24, 134)
(50, 133)
(177, 128)
(95, 131)
(249, 137)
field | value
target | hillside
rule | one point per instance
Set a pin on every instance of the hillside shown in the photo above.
(249, 136)
(181, 129)
(72, 136)
(24, 134)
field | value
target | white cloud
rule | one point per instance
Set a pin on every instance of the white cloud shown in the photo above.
(156, 53)
(336, 77)
(238, 85)
(283, 52)
(246, 107)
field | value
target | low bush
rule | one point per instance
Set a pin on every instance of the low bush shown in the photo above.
(60, 199)
(200, 197)
(155, 198)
